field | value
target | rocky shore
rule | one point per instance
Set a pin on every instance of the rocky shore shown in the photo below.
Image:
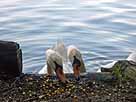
(41, 88)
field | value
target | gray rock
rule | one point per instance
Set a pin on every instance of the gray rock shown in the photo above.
(126, 69)
(123, 68)
(10, 59)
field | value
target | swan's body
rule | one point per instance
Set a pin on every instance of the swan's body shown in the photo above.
(61, 50)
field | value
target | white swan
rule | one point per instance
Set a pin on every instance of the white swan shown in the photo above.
(131, 57)
(76, 60)
(54, 64)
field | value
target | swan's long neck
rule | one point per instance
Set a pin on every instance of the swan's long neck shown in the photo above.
(73, 51)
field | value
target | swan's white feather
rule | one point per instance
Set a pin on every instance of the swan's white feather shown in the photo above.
(61, 50)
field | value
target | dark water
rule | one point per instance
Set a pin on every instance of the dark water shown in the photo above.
(104, 30)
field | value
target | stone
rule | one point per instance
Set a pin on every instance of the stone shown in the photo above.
(10, 59)
(126, 69)
(123, 68)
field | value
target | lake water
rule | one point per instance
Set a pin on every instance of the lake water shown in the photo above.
(104, 30)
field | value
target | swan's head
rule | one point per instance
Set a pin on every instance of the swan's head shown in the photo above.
(75, 58)
(54, 64)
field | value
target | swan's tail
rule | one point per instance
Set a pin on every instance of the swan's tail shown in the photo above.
(61, 50)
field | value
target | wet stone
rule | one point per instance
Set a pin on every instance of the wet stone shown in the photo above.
(34, 88)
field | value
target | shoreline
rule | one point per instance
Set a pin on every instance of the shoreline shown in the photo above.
(40, 88)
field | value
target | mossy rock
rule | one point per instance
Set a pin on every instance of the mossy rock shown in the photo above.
(124, 69)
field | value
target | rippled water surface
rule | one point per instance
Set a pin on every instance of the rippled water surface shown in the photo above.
(104, 30)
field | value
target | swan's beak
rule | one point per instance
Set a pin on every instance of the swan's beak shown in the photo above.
(76, 68)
